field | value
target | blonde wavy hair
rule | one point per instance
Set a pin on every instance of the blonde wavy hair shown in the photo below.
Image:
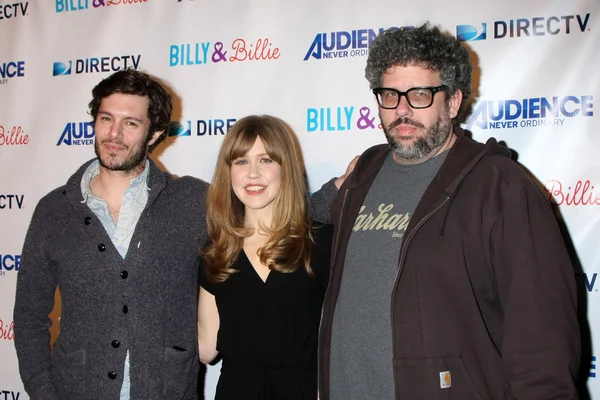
(290, 243)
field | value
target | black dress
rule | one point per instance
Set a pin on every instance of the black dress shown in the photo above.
(268, 330)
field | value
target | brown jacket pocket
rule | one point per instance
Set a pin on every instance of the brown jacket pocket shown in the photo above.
(434, 379)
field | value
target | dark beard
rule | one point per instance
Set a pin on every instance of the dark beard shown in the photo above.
(133, 163)
(423, 146)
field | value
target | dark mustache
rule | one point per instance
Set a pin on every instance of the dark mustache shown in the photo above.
(406, 121)
(117, 142)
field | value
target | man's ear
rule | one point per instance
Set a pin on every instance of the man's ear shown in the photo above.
(454, 103)
(155, 137)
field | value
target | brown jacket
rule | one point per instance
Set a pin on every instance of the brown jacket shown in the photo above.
(485, 288)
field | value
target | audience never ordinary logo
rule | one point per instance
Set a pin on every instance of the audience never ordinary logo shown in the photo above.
(77, 134)
(342, 44)
(9, 263)
(530, 113)
(11, 69)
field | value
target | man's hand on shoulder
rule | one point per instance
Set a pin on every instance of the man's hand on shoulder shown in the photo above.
(339, 181)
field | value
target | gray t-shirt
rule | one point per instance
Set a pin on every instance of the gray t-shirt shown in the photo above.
(361, 343)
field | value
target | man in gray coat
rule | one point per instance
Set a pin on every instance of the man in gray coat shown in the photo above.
(120, 240)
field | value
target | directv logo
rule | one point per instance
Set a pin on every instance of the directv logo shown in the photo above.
(61, 68)
(201, 127)
(97, 64)
(178, 129)
(526, 27)
(468, 32)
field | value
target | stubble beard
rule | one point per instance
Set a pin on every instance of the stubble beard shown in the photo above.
(421, 147)
(132, 164)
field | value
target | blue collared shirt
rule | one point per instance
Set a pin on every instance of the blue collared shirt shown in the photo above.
(133, 203)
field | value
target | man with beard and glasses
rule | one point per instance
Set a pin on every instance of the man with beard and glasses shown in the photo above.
(449, 277)
(120, 240)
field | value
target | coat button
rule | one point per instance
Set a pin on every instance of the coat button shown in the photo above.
(124, 274)
(102, 247)
(125, 309)
(87, 220)
(112, 374)
(115, 344)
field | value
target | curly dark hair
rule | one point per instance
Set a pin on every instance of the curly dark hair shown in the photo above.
(424, 46)
(131, 81)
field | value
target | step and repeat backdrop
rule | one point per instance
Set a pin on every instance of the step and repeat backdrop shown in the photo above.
(536, 87)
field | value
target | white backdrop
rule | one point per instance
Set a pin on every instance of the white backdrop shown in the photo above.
(536, 82)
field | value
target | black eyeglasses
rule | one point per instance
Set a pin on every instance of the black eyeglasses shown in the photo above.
(417, 97)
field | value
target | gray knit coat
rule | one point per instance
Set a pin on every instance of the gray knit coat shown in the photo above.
(144, 304)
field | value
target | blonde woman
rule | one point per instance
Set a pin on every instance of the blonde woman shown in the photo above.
(265, 271)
